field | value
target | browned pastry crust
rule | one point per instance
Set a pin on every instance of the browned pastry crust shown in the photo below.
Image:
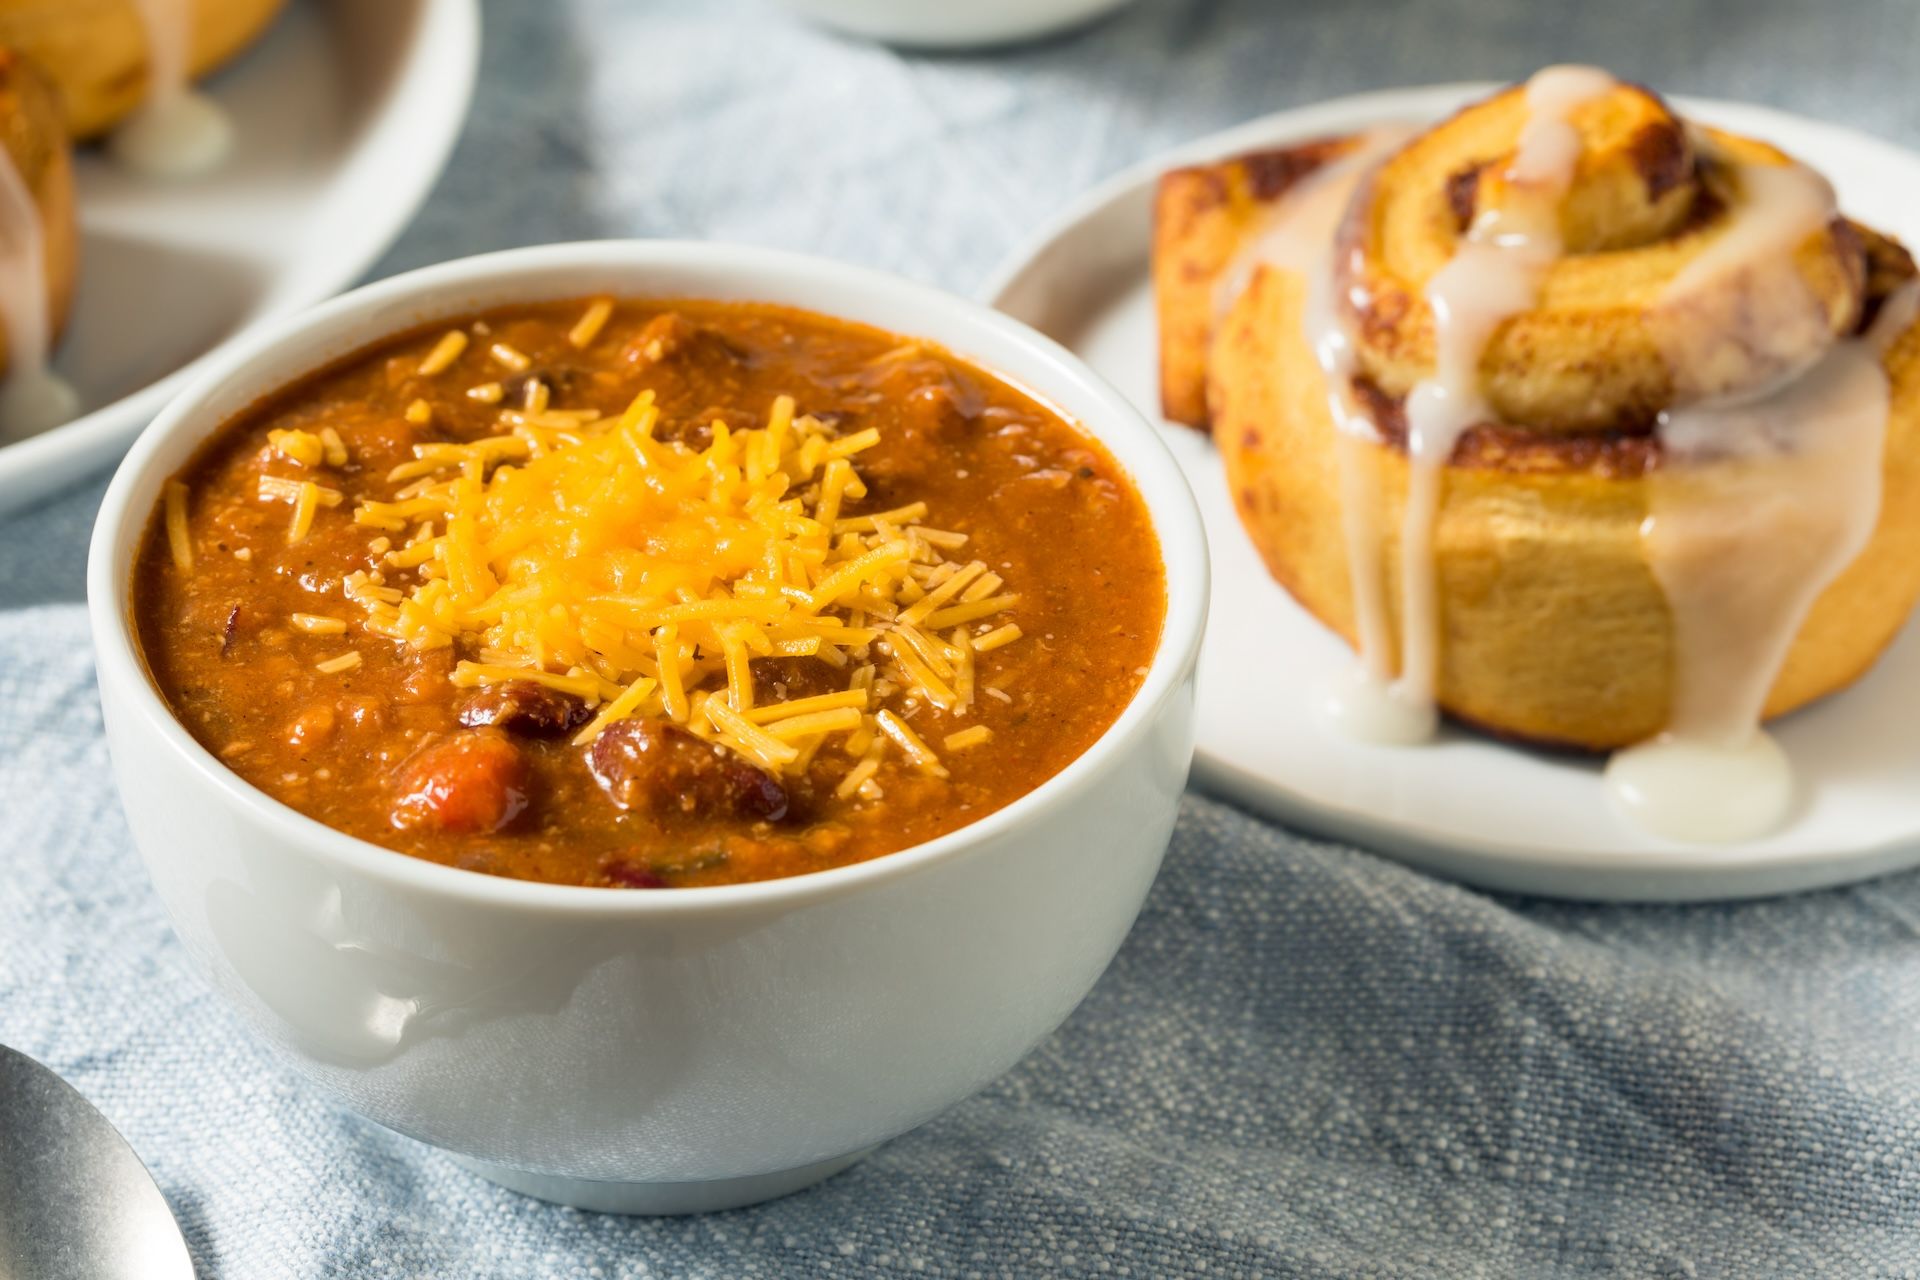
(1203, 215)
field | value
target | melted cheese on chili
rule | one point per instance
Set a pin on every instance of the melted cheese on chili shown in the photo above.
(590, 556)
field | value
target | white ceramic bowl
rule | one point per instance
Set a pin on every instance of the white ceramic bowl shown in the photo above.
(952, 24)
(664, 1051)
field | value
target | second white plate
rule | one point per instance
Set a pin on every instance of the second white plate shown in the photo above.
(343, 116)
(1468, 806)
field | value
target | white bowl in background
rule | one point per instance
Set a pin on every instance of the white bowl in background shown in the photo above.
(651, 1051)
(952, 24)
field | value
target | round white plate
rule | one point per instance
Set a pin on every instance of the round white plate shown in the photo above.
(1468, 806)
(344, 114)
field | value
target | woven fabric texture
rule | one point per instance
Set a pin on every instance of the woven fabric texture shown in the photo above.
(1307, 1060)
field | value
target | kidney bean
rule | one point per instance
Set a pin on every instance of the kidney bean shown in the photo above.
(624, 874)
(470, 782)
(524, 707)
(656, 767)
(784, 679)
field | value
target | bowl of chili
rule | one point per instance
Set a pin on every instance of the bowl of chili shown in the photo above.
(761, 733)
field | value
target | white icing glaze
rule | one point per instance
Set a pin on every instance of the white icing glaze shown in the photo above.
(176, 137)
(1299, 238)
(179, 132)
(1368, 705)
(1787, 478)
(1686, 790)
(33, 397)
(1494, 274)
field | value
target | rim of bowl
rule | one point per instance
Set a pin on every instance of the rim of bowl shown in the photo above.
(951, 321)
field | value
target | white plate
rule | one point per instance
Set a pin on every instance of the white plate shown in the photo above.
(1468, 806)
(344, 114)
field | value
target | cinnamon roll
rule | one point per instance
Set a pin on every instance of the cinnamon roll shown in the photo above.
(1583, 423)
(130, 65)
(39, 248)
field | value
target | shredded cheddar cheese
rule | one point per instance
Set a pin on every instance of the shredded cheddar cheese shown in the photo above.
(860, 777)
(304, 507)
(334, 447)
(625, 704)
(909, 742)
(444, 353)
(315, 624)
(179, 541)
(588, 327)
(996, 638)
(645, 575)
(281, 489)
(301, 447)
(972, 736)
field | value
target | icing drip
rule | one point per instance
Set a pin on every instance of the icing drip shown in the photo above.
(1365, 706)
(33, 397)
(1298, 240)
(179, 131)
(1495, 274)
(1787, 479)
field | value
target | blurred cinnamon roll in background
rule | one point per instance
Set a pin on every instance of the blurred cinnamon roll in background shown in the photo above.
(39, 248)
(73, 70)
(129, 66)
(110, 57)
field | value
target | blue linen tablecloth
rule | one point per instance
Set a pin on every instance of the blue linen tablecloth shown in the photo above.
(1307, 1060)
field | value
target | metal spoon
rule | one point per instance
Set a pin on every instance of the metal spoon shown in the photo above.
(74, 1199)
